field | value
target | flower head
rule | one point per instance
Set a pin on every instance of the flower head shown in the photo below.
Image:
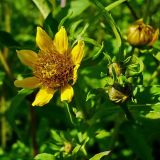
(141, 34)
(54, 67)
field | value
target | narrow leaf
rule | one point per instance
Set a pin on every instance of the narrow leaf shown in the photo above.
(44, 156)
(100, 155)
(114, 4)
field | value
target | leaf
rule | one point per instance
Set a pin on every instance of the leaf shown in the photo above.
(42, 5)
(153, 115)
(2, 76)
(136, 140)
(51, 24)
(90, 96)
(44, 156)
(15, 103)
(64, 19)
(114, 4)
(56, 136)
(77, 7)
(157, 56)
(135, 66)
(111, 22)
(100, 155)
(7, 39)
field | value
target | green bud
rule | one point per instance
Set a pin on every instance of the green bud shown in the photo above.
(116, 67)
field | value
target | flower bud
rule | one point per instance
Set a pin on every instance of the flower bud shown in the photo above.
(142, 34)
(67, 147)
(116, 67)
(116, 95)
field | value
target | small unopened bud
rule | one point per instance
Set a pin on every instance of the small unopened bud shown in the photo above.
(67, 147)
(116, 95)
(116, 67)
(142, 34)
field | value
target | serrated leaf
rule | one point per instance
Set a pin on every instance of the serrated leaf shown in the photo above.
(100, 155)
(44, 156)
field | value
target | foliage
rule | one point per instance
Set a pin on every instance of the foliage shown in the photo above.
(115, 112)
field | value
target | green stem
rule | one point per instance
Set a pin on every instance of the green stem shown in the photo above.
(127, 112)
(69, 113)
(33, 130)
(131, 10)
(3, 122)
(110, 20)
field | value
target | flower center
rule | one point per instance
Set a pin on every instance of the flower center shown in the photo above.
(53, 69)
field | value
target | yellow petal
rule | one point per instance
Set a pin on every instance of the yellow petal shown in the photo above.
(30, 83)
(75, 73)
(43, 97)
(154, 38)
(67, 93)
(43, 41)
(61, 41)
(78, 53)
(27, 57)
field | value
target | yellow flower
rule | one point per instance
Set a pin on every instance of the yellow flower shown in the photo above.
(141, 34)
(54, 67)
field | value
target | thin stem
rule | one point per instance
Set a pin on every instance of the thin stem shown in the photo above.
(131, 10)
(3, 122)
(33, 131)
(127, 112)
(69, 113)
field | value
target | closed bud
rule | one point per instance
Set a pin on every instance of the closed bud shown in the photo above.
(141, 34)
(67, 147)
(116, 95)
(116, 67)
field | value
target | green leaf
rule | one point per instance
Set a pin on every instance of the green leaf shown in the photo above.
(15, 103)
(100, 155)
(114, 4)
(90, 96)
(44, 156)
(64, 19)
(43, 6)
(136, 140)
(111, 22)
(51, 24)
(77, 7)
(56, 136)
(157, 56)
(135, 66)
(7, 39)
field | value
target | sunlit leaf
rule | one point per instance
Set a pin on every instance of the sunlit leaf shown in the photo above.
(100, 155)
(44, 156)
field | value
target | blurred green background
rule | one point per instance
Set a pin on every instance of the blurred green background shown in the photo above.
(98, 125)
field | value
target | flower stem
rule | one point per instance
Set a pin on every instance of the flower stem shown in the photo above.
(131, 10)
(69, 113)
(33, 131)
